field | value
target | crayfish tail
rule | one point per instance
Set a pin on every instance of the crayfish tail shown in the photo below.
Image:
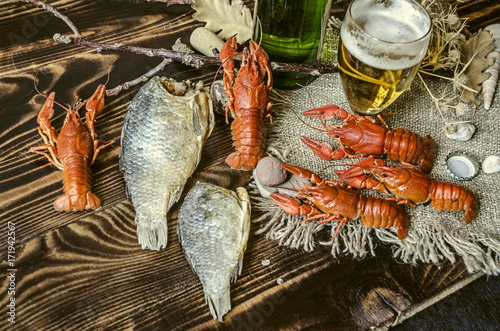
(376, 212)
(239, 161)
(63, 203)
(402, 224)
(87, 201)
(93, 202)
(407, 146)
(248, 140)
(77, 185)
(427, 161)
(449, 196)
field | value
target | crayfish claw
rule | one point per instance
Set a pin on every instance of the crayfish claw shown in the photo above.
(294, 206)
(258, 53)
(327, 112)
(286, 203)
(47, 110)
(323, 150)
(96, 102)
(228, 51)
(303, 173)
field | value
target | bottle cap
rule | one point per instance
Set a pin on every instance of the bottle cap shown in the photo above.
(461, 166)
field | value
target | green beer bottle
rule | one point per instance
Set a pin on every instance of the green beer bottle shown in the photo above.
(292, 32)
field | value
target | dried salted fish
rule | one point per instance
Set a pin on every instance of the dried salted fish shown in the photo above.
(213, 227)
(459, 131)
(491, 164)
(164, 130)
(489, 85)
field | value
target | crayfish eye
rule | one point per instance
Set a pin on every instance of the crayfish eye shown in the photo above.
(384, 175)
(336, 135)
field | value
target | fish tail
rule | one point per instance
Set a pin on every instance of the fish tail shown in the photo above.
(151, 235)
(237, 270)
(219, 306)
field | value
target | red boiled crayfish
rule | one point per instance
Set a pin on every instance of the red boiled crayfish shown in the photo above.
(331, 200)
(364, 135)
(248, 102)
(73, 150)
(410, 186)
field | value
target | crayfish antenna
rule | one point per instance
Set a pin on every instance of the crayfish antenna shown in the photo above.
(312, 103)
(260, 27)
(285, 188)
(109, 75)
(307, 124)
(46, 97)
(308, 94)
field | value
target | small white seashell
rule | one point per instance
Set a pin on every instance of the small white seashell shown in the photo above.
(491, 164)
(459, 131)
(489, 85)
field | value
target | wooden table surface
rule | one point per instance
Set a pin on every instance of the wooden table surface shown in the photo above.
(85, 270)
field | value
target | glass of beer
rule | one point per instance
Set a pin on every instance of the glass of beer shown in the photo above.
(382, 43)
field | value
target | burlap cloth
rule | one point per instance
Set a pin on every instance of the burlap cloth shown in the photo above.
(433, 236)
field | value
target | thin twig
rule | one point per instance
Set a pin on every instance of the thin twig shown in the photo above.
(57, 14)
(137, 81)
(173, 2)
(434, 99)
(189, 59)
(197, 60)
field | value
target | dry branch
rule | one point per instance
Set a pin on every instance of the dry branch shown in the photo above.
(194, 60)
(57, 14)
(173, 2)
(137, 81)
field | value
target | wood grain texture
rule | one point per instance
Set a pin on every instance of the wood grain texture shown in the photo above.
(85, 270)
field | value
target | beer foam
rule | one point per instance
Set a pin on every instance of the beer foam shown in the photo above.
(393, 43)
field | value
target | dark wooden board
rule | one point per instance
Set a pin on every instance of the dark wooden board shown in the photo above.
(85, 270)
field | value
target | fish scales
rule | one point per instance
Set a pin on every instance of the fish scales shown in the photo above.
(162, 139)
(213, 227)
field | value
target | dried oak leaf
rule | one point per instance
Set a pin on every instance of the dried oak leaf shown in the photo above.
(224, 18)
(475, 50)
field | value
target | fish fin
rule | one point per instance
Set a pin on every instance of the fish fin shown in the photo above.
(124, 133)
(195, 108)
(237, 269)
(203, 115)
(152, 236)
(219, 306)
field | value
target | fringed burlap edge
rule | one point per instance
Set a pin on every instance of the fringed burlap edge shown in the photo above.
(480, 254)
